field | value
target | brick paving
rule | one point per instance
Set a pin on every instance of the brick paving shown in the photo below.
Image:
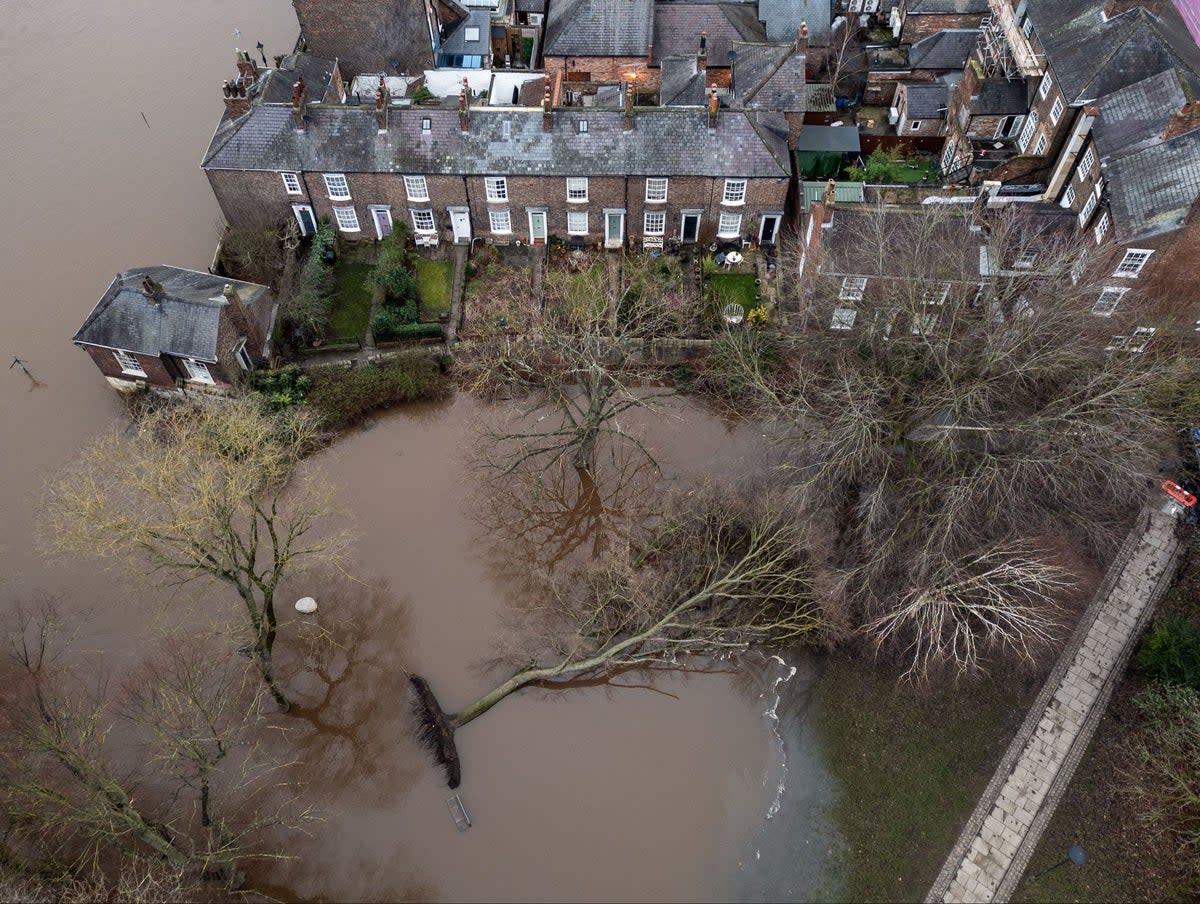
(991, 854)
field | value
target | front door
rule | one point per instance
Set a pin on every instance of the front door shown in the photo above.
(768, 228)
(690, 230)
(460, 221)
(614, 228)
(304, 216)
(537, 227)
(383, 221)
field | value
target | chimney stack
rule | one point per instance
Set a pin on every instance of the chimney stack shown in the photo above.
(464, 113)
(713, 105)
(547, 115)
(298, 105)
(247, 67)
(153, 291)
(1183, 120)
(802, 39)
(702, 53)
(629, 102)
(236, 102)
(383, 100)
(830, 193)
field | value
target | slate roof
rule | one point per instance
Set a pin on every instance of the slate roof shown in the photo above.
(947, 49)
(184, 323)
(927, 101)
(503, 142)
(677, 28)
(531, 6)
(455, 42)
(819, 98)
(599, 28)
(275, 87)
(681, 84)
(1000, 97)
(946, 7)
(769, 77)
(782, 19)
(1091, 57)
(1137, 114)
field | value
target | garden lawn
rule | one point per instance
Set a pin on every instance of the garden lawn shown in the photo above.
(903, 173)
(351, 303)
(736, 287)
(435, 282)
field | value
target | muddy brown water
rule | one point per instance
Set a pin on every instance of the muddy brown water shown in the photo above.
(599, 793)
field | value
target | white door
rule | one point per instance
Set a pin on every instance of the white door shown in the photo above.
(460, 221)
(767, 228)
(614, 228)
(383, 221)
(537, 227)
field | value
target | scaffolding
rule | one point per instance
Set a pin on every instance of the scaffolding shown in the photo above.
(994, 51)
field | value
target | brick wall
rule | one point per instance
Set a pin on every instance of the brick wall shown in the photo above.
(253, 199)
(157, 371)
(606, 69)
(387, 189)
(368, 35)
(922, 26)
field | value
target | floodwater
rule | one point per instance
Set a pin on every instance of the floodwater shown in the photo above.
(660, 791)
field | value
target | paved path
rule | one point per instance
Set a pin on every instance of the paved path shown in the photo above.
(994, 849)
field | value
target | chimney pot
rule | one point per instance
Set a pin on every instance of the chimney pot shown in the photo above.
(236, 102)
(802, 38)
(298, 104)
(713, 106)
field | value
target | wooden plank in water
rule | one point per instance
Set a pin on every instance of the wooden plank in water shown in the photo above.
(459, 811)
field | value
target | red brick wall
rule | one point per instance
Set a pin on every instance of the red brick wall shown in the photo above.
(367, 189)
(157, 372)
(253, 199)
(606, 69)
(916, 27)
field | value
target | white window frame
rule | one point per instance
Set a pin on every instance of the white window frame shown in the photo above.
(500, 221)
(335, 182)
(735, 192)
(582, 127)
(853, 288)
(949, 155)
(1027, 27)
(653, 195)
(1102, 227)
(198, 372)
(129, 364)
(924, 323)
(936, 294)
(426, 124)
(1132, 263)
(496, 188)
(346, 219)
(423, 220)
(1089, 208)
(843, 319)
(416, 188)
(577, 190)
(1068, 198)
(1086, 162)
(726, 231)
(1132, 343)
(375, 210)
(914, 125)
(245, 362)
(1025, 260)
(291, 183)
(1027, 131)
(471, 34)
(1056, 111)
(1040, 148)
(659, 220)
(576, 215)
(1110, 297)
(1046, 84)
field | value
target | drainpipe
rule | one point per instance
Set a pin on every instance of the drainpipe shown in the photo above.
(1070, 153)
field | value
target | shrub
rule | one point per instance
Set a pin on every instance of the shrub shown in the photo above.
(283, 388)
(312, 301)
(341, 397)
(391, 319)
(1171, 653)
(393, 270)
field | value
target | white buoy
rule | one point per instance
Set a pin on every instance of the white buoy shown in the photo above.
(306, 604)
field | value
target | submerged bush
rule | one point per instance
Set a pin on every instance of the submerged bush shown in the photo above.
(340, 397)
(1170, 654)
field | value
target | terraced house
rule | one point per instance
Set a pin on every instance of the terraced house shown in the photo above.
(615, 178)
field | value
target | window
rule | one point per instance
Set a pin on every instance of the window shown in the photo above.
(1131, 265)
(1025, 260)
(1089, 208)
(337, 186)
(923, 323)
(1068, 198)
(1078, 267)
(426, 124)
(291, 183)
(577, 189)
(1102, 225)
(1136, 343)
(1110, 297)
(417, 188)
(1031, 124)
(1046, 85)
(1086, 162)
(735, 191)
(853, 288)
(914, 125)
(198, 371)
(948, 156)
(730, 225)
(936, 294)
(583, 127)
(656, 190)
(423, 220)
(129, 364)
(655, 222)
(500, 221)
(1027, 29)
(245, 362)
(1056, 111)
(843, 319)
(497, 188)
(1040, 147)
(347, 219)
(471, 34)
(577, 222)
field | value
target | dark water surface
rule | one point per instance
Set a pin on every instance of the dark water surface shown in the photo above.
(601, 793)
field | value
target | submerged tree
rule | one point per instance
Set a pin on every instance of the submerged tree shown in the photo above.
(717, 575)
(203, 491)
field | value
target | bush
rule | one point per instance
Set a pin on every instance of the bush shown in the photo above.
(312, 301)
(283, 388)
(391, 319)
(393, 271)
(341, 397)
(419, 331)
(1171, 653)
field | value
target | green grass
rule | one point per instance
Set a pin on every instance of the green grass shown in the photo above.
(911, 764)
(736, 287)
(435, 282)
(352, 301)
(904, 173)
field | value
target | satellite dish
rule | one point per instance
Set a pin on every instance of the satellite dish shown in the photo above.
(306, 604)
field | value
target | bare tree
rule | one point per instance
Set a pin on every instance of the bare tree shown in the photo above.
(717, 575)
(945, 391)
(203, 491)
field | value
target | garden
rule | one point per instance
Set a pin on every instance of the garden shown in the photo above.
(891, 165)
